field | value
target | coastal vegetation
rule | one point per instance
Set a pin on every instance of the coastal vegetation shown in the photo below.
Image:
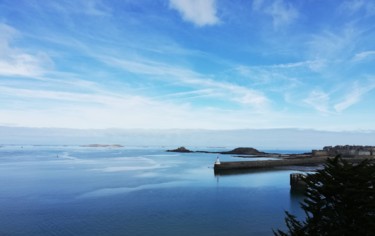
(339, 200)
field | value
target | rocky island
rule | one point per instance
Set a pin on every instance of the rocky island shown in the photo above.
(245, 151)
(180, 149)
(248, 151)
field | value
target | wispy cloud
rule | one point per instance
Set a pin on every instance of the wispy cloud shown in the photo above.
(15, 61)
(282, 13)
(355, 6)
(355, 95)
(190, 94)
(187, 77)
(326, 103)
(330, 45)
(318, 100)
(98, 98)
(275, 77)
(331, 51)
(86, 7)
(106, 110)
(363, 55)
(199, 12)
(308, 64)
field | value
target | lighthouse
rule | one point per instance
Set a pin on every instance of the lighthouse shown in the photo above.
(217, 162)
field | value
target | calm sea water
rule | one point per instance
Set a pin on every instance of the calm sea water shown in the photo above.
(135, 191)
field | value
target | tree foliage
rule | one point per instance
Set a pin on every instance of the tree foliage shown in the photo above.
(339, 200)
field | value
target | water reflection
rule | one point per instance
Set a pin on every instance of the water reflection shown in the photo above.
(296, 194)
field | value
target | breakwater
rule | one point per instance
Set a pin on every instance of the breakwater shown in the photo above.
(242, 165)
(297, 182)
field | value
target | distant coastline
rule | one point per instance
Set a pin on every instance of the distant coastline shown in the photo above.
(244, 152)
(103, 145)
(352, 153)
(327, 151)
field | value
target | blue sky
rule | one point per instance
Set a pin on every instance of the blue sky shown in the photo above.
(188, 64)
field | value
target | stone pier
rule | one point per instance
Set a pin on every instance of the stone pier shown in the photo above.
(241, 165)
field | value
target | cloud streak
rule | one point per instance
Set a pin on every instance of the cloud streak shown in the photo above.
(282, 13)
(92, 8)
(355, 6)
(318, 100)
(198, 12)
(355, 95)
(16, 62)
(187, 77)
(364, 55)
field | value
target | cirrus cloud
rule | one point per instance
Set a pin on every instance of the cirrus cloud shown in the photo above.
(198, 12)
(282, 13)
(16, 62)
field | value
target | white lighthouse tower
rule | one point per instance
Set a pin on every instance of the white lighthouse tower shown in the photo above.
(217, 162)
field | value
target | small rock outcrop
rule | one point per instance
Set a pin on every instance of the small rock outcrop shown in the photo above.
(180, 149)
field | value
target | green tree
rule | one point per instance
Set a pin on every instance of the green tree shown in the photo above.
(339, 200)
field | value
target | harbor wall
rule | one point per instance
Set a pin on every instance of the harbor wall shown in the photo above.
(276, 163)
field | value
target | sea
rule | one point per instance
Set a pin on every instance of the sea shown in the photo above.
(74, 190)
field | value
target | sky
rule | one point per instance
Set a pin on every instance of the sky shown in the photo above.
(188, 64)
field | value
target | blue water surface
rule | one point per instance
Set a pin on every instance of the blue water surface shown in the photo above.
(71, 190)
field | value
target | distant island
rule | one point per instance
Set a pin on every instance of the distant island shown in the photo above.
(245, 151)
(103, 145)
(236, 151)
(180, 149)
